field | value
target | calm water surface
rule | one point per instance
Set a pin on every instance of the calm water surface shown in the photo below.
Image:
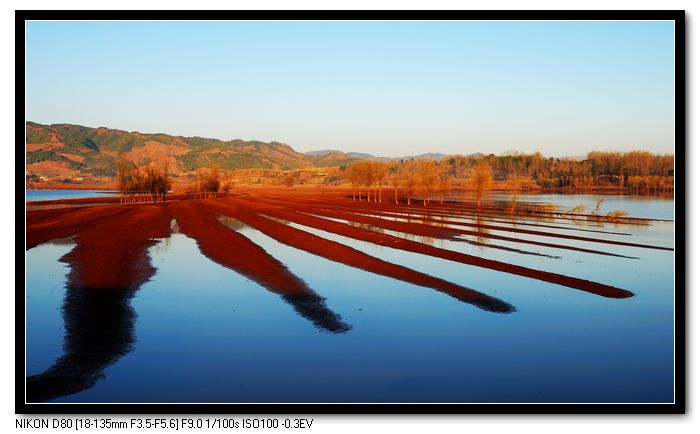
(204, 333)
(657, 207)
(32, 195)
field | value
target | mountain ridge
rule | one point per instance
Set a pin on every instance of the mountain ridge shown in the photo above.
(74, 151)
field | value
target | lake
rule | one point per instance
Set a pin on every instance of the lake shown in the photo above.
(200, 332)
(34, 195)
(651, 206)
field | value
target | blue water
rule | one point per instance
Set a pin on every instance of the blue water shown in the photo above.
(46, 280)
(33, 195)
(656, 207)
(204, 333)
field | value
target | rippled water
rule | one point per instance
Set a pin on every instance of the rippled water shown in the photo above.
(204, 333)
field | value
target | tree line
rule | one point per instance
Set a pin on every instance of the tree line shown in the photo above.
(142, 184)
(416, 177)
(633, 172)
(208, 182)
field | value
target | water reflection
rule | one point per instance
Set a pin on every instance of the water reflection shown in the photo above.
(480, 239)
(99, 330)
(99, 325)
(482, 234)
(68, 241)
(105, 273)
(431, 241)
(163, 245)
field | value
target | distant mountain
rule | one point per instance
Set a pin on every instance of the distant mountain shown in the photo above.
(365, 156)
(324, 152)
(331, 158)
(321, 153)
(74, 151)
(362, 155)
(427, 156)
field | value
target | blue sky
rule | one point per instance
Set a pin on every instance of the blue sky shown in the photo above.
(387, 88)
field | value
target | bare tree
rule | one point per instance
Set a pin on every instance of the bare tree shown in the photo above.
(354, 175)
(395, 179)
(445, 179)
(227, 181)
(291, 178)
(481, 180)
(199, 182)
(381, 171)
(123, 175)
(212, 182)
(428, 179)
(135, 186)
(151, 182)
(164, 184)
(367, 173)
(409, 178)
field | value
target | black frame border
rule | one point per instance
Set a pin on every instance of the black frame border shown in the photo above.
(678, 407)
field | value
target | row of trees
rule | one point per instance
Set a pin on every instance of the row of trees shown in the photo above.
(151, 182)
(208, 182)
(635, 171)
(146, 184)
(423, 177)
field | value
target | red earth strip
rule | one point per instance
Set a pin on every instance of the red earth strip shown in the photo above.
(400, 243)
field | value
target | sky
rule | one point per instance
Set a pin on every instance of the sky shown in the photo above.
(389, 88)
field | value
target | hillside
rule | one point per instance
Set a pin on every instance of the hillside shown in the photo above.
(74, 152)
